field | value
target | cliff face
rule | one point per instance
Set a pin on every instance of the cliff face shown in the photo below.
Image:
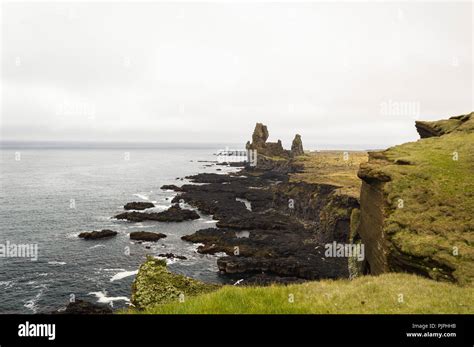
(417, 204)
(318, 206)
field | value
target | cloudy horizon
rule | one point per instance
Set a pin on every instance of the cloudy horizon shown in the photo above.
(336, 73)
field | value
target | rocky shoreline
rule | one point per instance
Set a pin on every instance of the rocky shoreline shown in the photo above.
(275, 219)
(266, 239)
(271, 230)
(272, 226)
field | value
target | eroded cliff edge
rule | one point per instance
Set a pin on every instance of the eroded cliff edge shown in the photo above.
(417, 204)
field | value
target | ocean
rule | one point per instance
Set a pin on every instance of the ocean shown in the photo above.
(51, 193)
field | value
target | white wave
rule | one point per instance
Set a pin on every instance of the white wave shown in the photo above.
(97, 246)
(73, 235)
(105, 218)
(104, 299)
(161, 207)
(141, 196)
(196, 246)
(32, 304)
(169, 261)
(123, 274)
(6, 284)
(210, 221)
(56, 262)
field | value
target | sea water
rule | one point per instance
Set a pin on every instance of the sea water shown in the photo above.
(51, 193)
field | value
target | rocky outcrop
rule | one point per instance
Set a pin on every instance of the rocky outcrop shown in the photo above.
(138, 205)
(271, 156)
(170, 187)
(95, 235)
(173, 214)
(85, 307)
(260, 144)
(417, 204)
(259, 136)
(172, 256)
(442, 127)
(297, 146)
(146, 236)
(155, 285)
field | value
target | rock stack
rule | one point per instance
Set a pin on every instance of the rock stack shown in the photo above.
(297, 146)
(273, 149)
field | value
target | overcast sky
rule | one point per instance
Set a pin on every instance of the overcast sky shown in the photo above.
(344, 73)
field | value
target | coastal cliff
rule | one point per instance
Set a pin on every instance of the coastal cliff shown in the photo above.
(410, 206)
(417, 201)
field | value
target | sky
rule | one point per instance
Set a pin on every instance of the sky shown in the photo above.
(338, 73)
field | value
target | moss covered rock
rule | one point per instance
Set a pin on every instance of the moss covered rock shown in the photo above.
(155, 285)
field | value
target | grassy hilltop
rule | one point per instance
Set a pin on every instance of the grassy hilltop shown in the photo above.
(429, 201)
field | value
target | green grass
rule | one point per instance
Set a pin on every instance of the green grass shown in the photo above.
(332, 167)
(436, 219)
(364, 295)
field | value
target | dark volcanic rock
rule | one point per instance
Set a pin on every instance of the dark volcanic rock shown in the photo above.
(146, 236)
(212, 178)
(267, 220)
(283, 243)
(138, 205)
(94, 235)
(285, 253)
(171, 187)
(268, 241)
(233, 163)
(173, 214)
(85, 307)
(311, 267)
(171, 256)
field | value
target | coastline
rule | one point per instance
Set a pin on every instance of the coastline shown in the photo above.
(274, 220)
(277, 220)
